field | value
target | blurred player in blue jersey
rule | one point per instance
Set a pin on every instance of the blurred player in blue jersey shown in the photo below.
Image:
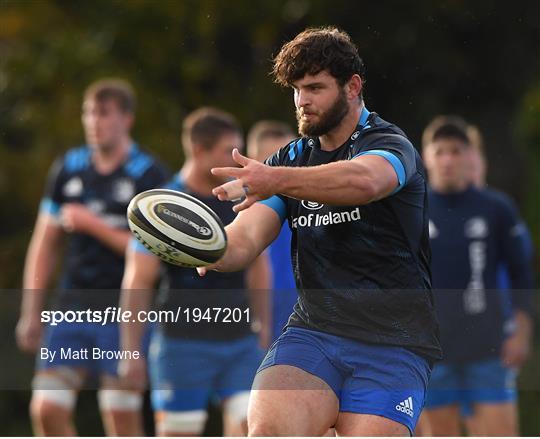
(474, 232)
(86, 197)
(358, 348)
(478, 168)
(191, 362)
(264, 139)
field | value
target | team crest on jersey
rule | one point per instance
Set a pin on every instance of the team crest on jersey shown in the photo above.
(433, 231)
(311, 205)
(123, 190)
(476, 228)
(311, 142)
(73, 187)
(355, 135)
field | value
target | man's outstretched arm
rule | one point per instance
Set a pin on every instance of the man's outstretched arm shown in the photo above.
(347, 182)
(247, 236)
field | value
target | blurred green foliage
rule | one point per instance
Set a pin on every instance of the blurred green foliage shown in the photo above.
(478, 59)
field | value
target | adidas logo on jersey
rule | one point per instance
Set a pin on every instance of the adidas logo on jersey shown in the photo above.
(406, 407)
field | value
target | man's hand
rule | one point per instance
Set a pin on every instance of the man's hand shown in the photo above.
(254, 177)
(28, 334)
(132, 373)
(77, 218)
(516, 349)
(203, 270)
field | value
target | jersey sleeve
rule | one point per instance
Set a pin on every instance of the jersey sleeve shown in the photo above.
(398, 151)
(516, 249)
(273, 160)
(53, 197)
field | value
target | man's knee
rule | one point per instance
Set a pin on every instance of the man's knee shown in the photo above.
(113, 400)
(57, 387)
(188, 423)
(50, 411)
(51, 398)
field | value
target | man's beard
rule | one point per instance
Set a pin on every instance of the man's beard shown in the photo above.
(329, 120)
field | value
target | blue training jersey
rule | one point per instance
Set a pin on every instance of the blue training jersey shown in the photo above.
(88, 263)
(184, 288)
(362, 271)
(473, 234)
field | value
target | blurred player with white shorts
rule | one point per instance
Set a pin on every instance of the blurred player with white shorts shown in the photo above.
(86, 197)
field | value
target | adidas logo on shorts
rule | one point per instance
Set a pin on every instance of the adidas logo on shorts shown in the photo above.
(406, 407)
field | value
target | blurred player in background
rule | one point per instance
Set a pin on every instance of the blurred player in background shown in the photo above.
(264, 139)
(475, 233)
(86, 197)
(358, 348)
(191, 362)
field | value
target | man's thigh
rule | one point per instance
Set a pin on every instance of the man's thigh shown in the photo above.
(354, 424)
(386, 382)
(296, 390)
(382, 381)
(287, 400)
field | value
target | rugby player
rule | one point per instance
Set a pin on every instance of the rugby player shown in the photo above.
(359, 346)
(474, 232)
(193, 361)
(86, 197)
(264, 139)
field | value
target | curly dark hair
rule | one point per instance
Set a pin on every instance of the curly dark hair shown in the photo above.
(315, 50)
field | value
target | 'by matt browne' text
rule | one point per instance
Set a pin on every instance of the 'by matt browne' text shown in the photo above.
(51, 355)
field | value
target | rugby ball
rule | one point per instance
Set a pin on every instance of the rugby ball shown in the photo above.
(177, 227)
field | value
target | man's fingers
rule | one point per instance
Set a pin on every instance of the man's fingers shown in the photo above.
(244, 204)
(226, 172)
(220, 193)
(239, 158)
(232, 190)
